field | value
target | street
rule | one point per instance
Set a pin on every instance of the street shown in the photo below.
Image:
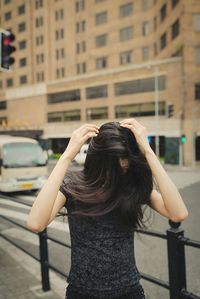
(151, 253)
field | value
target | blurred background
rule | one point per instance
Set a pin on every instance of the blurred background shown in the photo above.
(67, 62)
(103, 60)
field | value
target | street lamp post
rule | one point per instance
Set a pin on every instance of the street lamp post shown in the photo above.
(156, 99)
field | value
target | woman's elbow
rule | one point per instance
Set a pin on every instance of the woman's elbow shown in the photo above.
(34, 226)
(181, 217)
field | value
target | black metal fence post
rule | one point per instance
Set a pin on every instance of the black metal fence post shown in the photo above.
(44, 260)
(176, 260)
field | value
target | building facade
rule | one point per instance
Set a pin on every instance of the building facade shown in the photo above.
(104, 60)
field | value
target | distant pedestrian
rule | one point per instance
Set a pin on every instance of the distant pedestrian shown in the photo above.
(104, 204)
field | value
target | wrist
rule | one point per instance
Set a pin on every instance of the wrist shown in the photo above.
(65, 158)
(148, 152)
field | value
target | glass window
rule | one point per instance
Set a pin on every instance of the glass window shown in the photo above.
(8, 16)
(101, 40)
(22, 62)
(96, 92)
(145, 28)
(101, 63)
(126, 10)
(22, 44)
(3, 104)
(79, 5)
(126, 33)
(98, 1)
(139, 86)
(97, 113)
(22, 27)
(62, 116)
(145, 4)
(197, 22)
(23, 79)
(21, 9)
(145, 53)
(163, 41)
(67, 96)
(7, 1)
(163, 12)
(197, 91)
(126, 57)
(155, 23)
(197, 55)
(175, 29)
(101, 18)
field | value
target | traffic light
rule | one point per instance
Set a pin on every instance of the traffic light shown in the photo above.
(6, 49)
(170, 110)
(183, 138)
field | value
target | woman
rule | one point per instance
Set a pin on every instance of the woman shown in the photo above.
(104, 205)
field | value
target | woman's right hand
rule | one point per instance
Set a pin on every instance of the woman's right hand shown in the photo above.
(78, 138)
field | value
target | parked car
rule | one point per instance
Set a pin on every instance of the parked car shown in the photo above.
(80, 157)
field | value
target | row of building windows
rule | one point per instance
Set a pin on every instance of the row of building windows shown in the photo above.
(121, 111)
(122, 88)
(38, 3)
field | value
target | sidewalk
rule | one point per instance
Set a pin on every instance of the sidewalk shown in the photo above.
(20, 276)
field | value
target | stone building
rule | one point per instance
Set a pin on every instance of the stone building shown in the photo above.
(95, 61)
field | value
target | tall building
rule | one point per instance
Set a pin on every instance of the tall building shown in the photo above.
(95, 61)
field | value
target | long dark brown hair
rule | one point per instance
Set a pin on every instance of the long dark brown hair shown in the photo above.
(102, 186)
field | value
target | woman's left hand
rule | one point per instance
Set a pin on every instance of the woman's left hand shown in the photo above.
(139, 132)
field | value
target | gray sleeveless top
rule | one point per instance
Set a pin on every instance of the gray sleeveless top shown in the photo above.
(102, 254)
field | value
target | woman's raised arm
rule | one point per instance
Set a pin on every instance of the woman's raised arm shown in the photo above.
(173, 203)
(42, 208)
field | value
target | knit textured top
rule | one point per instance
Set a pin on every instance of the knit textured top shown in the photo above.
(102, 254)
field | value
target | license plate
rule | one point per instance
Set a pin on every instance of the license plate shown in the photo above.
(27, 185)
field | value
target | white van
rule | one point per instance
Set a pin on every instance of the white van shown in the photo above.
(23, 164)
(80, 157)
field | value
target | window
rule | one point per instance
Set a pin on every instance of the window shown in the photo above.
(197, 91)
(145, 4)
(3, 105)
(39, 58)
(61, 116)
(60, 73)
(98, 1)
(80, 47)
(140, 109)
(60, 53)
(9, 82)
(23, 79)
(22, 62)
(22, 44)
(163, 12)
(79, 5)
(81, 68)
(39, 21)
(126, 33)
(174, 3)
(97, 113)
(163, 41)
(7, 1)
(59, 14)
(101, 40)
(39, 40)
(97, 92)
(175, 29)
(155, 49)
(80, 26)
(126, 57)
(40, 77)
(138, 86)
(145, 28)
(8, 16)
(101, 63)
(126, 10)
(101, 18)
(21, 9)
(197, 22)
(59, 34)
(155, 23)
(197, 56)
(22, 27)
(145, 53)
(38, 4)
(67, 96)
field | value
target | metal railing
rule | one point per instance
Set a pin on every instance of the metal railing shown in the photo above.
(176, 243)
